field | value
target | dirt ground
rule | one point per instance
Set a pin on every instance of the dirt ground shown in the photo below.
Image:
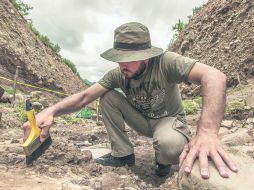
(65, 166)
(68, 165)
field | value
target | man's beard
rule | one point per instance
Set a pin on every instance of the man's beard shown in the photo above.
(139, 72)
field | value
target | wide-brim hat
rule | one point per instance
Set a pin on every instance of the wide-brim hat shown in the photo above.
(131, 43)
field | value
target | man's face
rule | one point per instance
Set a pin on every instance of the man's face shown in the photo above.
(133, 69)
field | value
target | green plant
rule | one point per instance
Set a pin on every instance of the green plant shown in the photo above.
(198, 100)
(236, 105)
(31, 26)
(180, 26)
(70, 65)
(55, 47)
(195, 11)
(85, 113)
(9, 90)
(71, 119)
(21, 111)
(22, 8)
(177, 28)
(237, 110)
(190, 106)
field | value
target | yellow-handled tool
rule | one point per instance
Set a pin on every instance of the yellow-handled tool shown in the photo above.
(33, 147)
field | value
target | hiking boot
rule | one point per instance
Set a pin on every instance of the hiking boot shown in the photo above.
(109, 160)
(162, 170)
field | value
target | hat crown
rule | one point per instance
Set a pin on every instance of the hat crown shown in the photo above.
(131, 43)
(132, 33)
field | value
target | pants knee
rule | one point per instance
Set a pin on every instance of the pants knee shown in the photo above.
(110, 97)
(106, 97)
(168, 150)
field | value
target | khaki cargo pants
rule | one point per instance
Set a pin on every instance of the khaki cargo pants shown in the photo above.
(169, 133)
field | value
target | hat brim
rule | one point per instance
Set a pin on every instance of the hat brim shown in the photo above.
(117, 55)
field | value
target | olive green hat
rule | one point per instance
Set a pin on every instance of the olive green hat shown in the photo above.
(131, 43)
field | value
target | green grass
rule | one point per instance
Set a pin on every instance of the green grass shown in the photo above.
(71, 119)
(22, 8)
(236, 105)
(192, 106)
(181, 26)
(21, 112)
(9, 90)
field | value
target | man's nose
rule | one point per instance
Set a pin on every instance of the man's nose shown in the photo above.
(123, 66)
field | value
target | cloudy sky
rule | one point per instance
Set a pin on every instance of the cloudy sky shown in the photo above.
(84, 28)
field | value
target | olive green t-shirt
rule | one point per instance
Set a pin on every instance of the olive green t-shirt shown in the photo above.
(155, 94)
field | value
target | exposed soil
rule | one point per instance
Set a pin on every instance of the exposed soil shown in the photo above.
(65, 166)
(221, 35)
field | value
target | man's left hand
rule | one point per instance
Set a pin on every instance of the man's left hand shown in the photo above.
(203, 146)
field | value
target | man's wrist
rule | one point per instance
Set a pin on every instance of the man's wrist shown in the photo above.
(51, 110)
(207, 127)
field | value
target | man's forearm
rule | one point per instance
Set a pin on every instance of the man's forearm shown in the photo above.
(68, 105)
(75, 102)
(213, 103)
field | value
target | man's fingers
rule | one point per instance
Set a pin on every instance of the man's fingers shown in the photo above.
(203, 165)
(227, 160)
(27, 128)
(44, 133)
(219, 164)
(183, 154)
(189, 160)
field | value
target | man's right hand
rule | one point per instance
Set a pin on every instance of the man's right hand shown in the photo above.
(44, 120)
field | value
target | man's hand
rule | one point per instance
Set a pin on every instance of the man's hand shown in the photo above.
(203, 146)
(43, 120)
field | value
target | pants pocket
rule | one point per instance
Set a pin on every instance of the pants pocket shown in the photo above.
(182, 128)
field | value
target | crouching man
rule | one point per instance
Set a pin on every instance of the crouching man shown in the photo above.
(151, 104)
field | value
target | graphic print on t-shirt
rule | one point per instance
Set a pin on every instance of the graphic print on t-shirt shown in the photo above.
(148, 98)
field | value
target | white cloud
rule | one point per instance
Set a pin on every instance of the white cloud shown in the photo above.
(84, 28)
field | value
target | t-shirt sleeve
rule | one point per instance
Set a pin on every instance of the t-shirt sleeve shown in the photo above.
(111, 79)
(175, 67)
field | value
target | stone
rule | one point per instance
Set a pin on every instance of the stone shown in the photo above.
(185, 46)
(249, 126)
(241, 180)
(99, 123)
(14, 141)
(36, 94)
(227, 123)
(122, 185)
(223, 131)
(93, 137)
(85, 157)
(238, 138)
(44, 102)
(37, 106)
(98, 185)
(249, 121)
(247, 108)
(233, 130)
(87, 143)
(6, 99)
(19, 99)
(98, 150)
